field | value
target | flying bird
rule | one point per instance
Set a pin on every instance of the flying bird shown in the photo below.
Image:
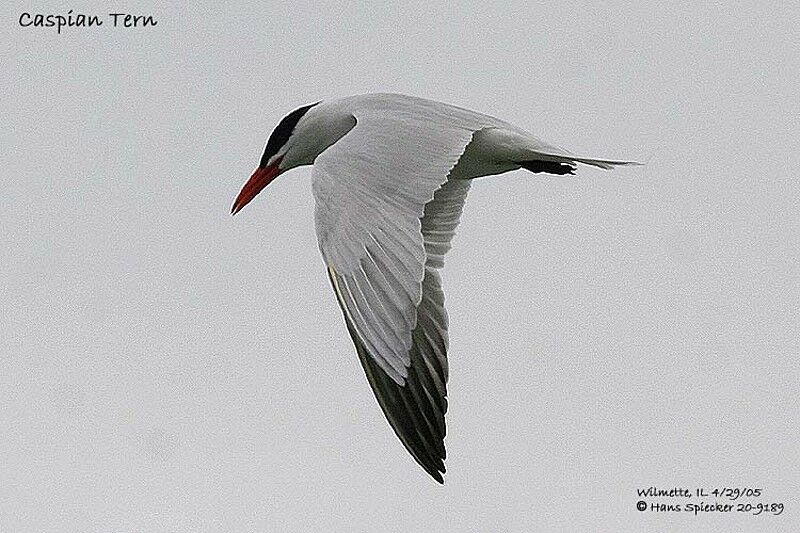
(391, 173)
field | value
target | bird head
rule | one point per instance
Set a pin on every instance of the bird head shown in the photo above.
(297, 140)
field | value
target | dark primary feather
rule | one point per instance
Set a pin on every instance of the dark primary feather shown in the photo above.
(415, 410)
(551, 167)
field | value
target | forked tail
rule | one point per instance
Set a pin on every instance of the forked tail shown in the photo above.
(565, 164)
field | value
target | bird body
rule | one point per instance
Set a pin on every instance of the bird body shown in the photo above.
(391, 173)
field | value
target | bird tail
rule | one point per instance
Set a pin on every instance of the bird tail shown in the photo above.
(605, 164)
(565, 164)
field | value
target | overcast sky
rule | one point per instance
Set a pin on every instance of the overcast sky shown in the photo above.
(165, 367)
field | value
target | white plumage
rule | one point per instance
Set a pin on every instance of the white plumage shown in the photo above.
(391, 174)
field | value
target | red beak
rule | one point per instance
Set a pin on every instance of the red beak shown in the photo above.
(260, 179)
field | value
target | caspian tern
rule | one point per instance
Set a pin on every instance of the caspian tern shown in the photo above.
(391, 173)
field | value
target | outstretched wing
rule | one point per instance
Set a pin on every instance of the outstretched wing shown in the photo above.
(385, 216)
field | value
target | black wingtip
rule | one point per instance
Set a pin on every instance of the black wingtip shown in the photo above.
(404, 405)
(434, 467)
(550, 167)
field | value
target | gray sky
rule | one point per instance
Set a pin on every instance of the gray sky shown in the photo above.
(164, 367)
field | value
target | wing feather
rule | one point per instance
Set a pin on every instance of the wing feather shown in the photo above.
(385, 219)
(371, 188)
(416, 408)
